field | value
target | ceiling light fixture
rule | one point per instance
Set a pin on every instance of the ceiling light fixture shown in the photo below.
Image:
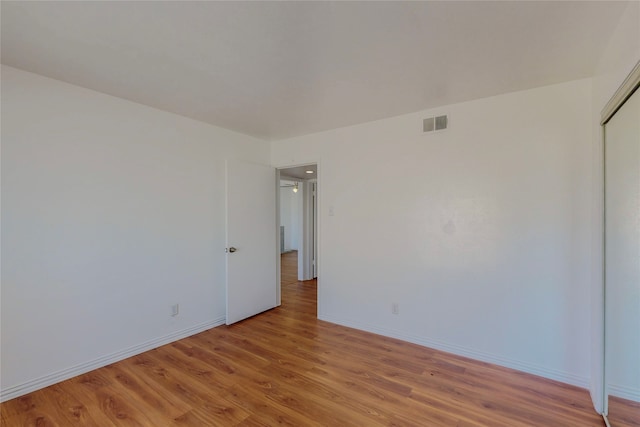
(309, 171)
(295, 188)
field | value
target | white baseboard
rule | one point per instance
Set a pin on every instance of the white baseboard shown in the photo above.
(597, 400)
(552, 374)
(624, 392)
(65, 374)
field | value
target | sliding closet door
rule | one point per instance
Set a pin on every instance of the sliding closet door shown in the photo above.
(622, 262)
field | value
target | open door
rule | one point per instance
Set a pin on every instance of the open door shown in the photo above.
(251, 240)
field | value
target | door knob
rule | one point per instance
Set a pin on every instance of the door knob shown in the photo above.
(231, 249)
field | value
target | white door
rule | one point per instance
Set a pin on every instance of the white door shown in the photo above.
(622, 252)
(251, 240)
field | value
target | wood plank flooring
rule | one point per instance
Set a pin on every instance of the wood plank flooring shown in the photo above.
(286, 368)
(289, 268)
(623, 412)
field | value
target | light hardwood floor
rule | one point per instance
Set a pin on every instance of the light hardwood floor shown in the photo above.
(285, 367)
(623, 413)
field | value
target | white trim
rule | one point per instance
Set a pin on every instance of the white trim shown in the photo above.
(623, 93)
(602, 405)
(319, 190)
(314, 251)
(65, 374)
(624, 392)
(305, 253)
(279, 249)
(565, 377)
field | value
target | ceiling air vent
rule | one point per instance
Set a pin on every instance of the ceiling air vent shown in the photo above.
(431, 124)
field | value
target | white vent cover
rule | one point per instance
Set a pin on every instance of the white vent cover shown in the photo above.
(429, 124)
(437, 123)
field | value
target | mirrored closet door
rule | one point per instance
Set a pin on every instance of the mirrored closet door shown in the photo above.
(622, 260)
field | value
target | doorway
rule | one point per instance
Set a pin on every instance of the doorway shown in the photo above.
(298, 226)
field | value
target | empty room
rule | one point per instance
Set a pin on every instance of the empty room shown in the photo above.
(320, 213)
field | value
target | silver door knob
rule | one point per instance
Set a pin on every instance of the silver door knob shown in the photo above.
(231, 249)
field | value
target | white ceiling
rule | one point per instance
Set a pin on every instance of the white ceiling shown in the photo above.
(280, 69)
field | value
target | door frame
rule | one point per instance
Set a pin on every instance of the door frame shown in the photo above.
(317, 231)
(630, 85)
(309, 218)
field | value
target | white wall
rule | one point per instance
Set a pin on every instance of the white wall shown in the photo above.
(480, 233)
(112, 212)
(619, 58)
(285, 216)
(290, 212)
